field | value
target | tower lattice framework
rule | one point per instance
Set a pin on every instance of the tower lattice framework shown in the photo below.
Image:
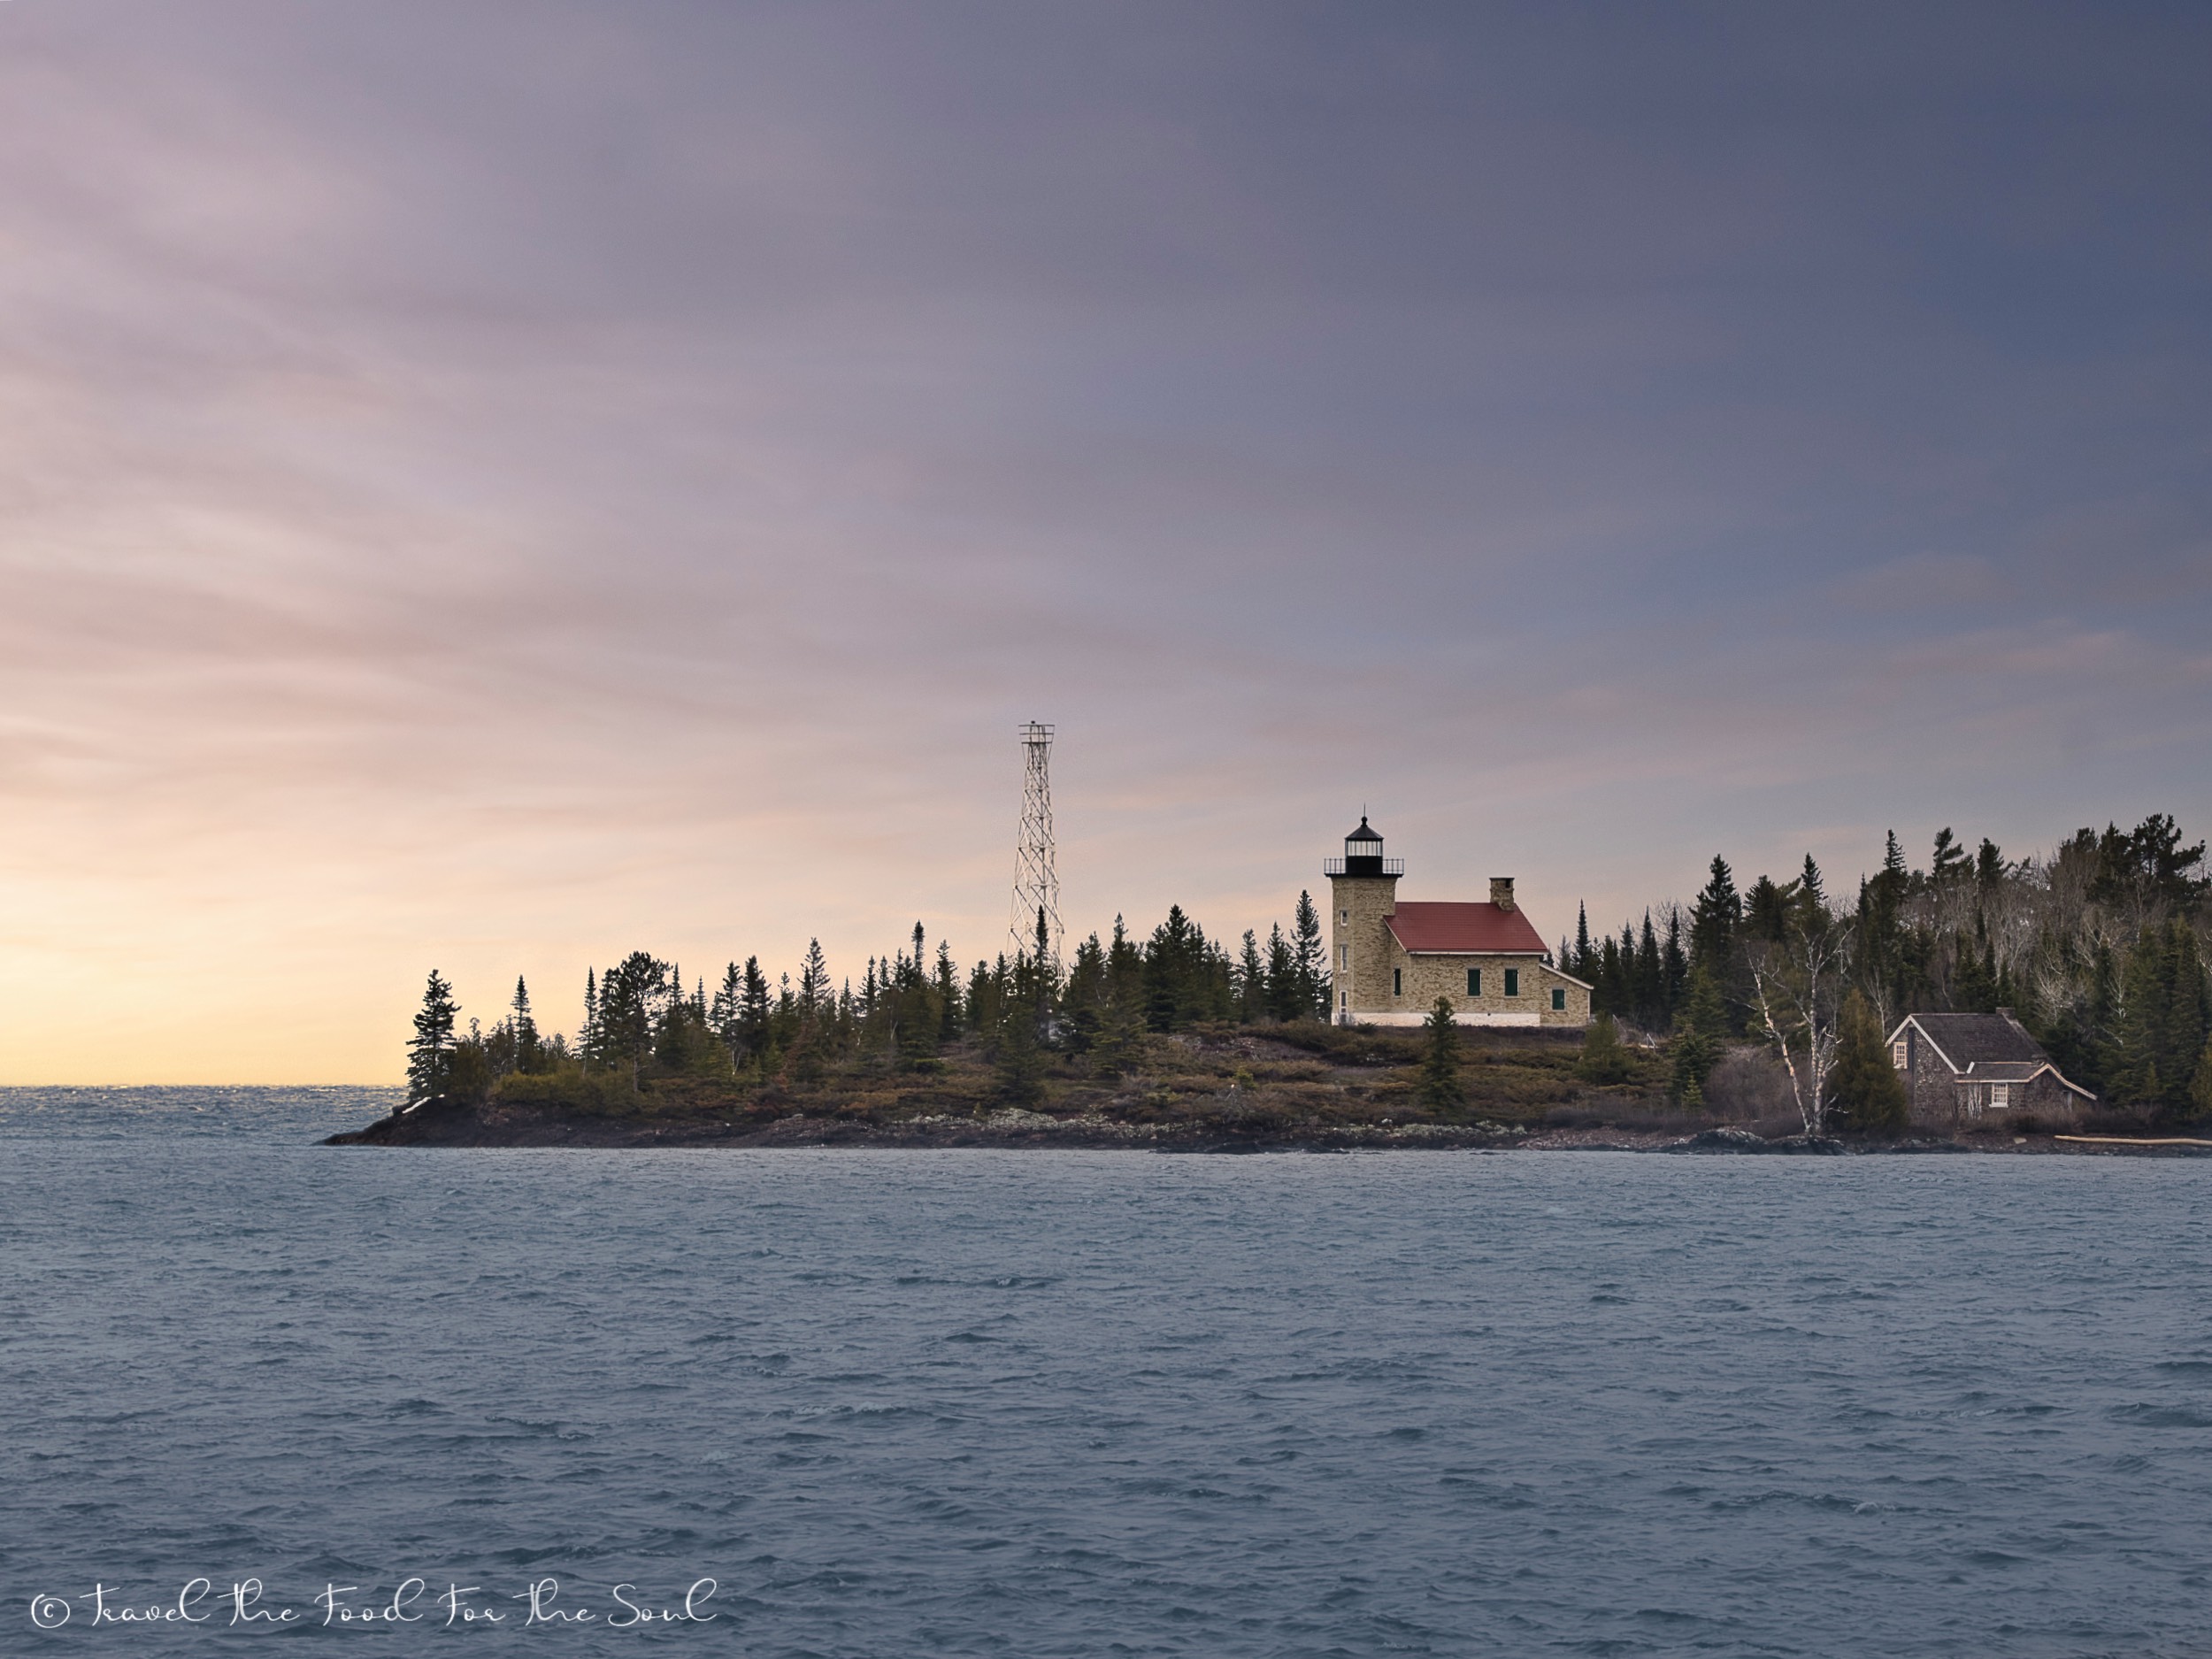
(1036, 882)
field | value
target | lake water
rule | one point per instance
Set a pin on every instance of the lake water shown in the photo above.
(1094, 1403)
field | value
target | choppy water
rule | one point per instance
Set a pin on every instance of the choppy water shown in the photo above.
(1031, 1404)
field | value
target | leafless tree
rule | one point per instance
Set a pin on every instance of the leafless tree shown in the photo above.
(1797, 985)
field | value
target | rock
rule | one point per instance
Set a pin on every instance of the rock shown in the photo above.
(1721, 1140)
(1820, 1145)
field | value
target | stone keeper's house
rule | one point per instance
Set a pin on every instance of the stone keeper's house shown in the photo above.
(1961, 1070)
(1390, 961)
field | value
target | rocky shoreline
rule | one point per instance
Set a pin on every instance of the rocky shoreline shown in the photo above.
(439, 1123)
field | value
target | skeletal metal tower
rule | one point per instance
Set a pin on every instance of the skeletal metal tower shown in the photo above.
(1036, 882)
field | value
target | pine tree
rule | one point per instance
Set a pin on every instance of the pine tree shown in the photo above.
(529, 1053)
(1701, 1029)
(589, 1041)
(1286, 997)
(1674, 968)
(1990, 868)
(1870, 1096)
(1716, 918)
(1603, 1059)
(630, 1000)
(1174, 962)
(1974, 978)
(2201, 1087)
(430, 1051)
(1018, 1062)
(2165, 1018)
(814, 980)
(1439, 1090)
(1312, 957)
(1579, 964)
(1251, 982)
(1649, 999)
(949, 1010)
(1812, 898)
(1121, 1035)
(1951, 863)
(1769, 910)
(1606, 995)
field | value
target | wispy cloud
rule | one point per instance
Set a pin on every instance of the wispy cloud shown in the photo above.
(495, 494)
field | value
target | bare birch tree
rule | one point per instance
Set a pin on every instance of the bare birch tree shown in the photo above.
(1797, 985)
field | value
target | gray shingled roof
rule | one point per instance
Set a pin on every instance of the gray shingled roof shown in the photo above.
(1976, 1040)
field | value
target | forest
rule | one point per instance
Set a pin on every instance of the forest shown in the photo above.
(2098, 948)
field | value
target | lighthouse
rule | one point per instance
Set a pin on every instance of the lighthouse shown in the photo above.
(1390, 960)
(1363, 898)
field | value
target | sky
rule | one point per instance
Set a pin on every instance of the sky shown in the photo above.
(492, 487)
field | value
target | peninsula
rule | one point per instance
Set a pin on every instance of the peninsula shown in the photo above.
(2048, 1003)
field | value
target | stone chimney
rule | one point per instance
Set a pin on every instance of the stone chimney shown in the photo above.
(1502, 892)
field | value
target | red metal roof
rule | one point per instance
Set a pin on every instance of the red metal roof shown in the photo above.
(1435, 927)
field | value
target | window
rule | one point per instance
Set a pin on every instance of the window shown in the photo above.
(2000, 1096)
(1344, 955)
(1558, 999)
(1343, 916)
(1513, 982)
(1898, 1055)
(1344, 999)
(1397, 981)
(1474, 981)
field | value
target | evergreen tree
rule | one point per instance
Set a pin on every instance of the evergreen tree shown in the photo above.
(1869, 1095)
(1951, 864)
(1083, 1004)
(1017, 1059)
(1650, 998)
(629, 996)
(1880, 943)
(1716, 918)
(1974, 979)
(1251, 982)
(1285, 996)
(1124, 969)
(1580, 963)
(814, 980)
(1769, 910)
(1701, 1032)
(948, 985)
(1990, 869)
(1674, 967)
(529, 1052)
(1608, 992)
(587, 1040)
(2201, 1087)
(755, 1017)
(1174, 967)
(1312, 957)
(1439, 1090)
(1604, 1059)
(2165, 1018)
(430, 1051)
(1121, 1035)
(1812, 899)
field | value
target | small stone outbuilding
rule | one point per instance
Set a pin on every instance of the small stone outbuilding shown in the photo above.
(1968, 1071)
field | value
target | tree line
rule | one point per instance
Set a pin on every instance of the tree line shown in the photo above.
(643, 1020)
(2098, 948)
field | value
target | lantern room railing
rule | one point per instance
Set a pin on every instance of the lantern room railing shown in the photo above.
(1363, 865)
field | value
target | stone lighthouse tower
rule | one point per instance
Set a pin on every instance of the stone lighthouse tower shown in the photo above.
(1363, 898)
